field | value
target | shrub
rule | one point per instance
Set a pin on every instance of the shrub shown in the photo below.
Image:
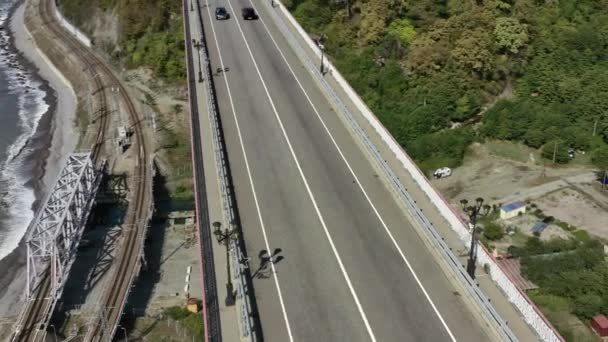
(493, 231)
(177, 312)
(581, 235)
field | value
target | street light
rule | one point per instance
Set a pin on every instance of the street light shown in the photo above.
(198, 46)
(225, 237)
(473, 212)
(54, 332)
(322, 55)
(125, 332)
(322, 48)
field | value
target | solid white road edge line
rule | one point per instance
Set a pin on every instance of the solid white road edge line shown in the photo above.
(310, 194)
(394, 241)
(255, 198)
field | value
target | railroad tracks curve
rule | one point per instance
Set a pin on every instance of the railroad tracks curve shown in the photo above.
(38, 312)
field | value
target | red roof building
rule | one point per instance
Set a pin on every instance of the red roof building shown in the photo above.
(600, 325)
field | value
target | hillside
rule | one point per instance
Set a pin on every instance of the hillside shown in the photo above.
(145, 33)
(441, 74)
(143, 39)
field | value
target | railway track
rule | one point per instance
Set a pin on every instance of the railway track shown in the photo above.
(37, 314)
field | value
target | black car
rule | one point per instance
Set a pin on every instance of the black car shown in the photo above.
(221, 13)
(249, 13)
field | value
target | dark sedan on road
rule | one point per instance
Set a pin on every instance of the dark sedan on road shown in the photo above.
(249, 13)
(221, 13)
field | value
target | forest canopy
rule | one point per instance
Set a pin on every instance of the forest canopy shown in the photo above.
(441, 74)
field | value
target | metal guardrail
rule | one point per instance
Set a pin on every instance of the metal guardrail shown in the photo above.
(237, 256)
(210, 309)
(453, 261)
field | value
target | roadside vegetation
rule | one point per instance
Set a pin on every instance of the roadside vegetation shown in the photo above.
(192, 322)
(442, 74)
(572, 276)
(571, 271)
(151, 33)
(150, 37)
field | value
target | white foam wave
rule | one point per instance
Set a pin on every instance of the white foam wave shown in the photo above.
(16, 197)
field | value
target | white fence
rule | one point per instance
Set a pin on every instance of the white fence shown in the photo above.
(528, 310)
(71, 28)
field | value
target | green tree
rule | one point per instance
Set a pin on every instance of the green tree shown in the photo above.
(373, 21)
(534, 137)
(473, 51)
(511, 35)
(600, 157)
(493, 231)
(403, 31)
(557, 149)
(587, 305)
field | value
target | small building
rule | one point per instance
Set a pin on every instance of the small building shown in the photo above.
(599, 324)
(511, 210)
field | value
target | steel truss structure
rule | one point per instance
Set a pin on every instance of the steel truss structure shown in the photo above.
(56, 230)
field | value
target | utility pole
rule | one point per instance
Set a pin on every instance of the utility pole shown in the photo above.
(225, 237)
(594, 127)
(125, 332)
(554, 152)
(54, 332)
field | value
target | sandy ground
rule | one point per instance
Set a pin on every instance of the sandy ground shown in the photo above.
(572, 206)
(567, 193)
(64, 131)
(495, 178)
(63, 142)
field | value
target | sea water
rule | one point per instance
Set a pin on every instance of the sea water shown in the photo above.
(22, 105)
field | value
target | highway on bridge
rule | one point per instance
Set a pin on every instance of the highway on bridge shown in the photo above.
(354, 267)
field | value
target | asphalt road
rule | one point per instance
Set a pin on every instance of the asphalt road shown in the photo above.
(353, 267)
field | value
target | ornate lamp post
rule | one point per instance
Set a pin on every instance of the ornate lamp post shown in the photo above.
(226, 236)
(473, 211)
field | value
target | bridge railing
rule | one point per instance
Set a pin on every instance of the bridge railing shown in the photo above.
(237, 260)
(54, 233)
(311, 57)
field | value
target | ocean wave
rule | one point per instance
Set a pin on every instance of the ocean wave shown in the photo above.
(16, 194)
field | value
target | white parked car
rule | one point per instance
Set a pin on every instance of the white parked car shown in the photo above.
(442, 172)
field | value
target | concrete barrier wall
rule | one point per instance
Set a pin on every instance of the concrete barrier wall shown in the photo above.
(72, 29)
(529, 311)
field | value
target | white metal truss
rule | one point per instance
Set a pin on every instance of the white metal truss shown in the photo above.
(56, 230)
